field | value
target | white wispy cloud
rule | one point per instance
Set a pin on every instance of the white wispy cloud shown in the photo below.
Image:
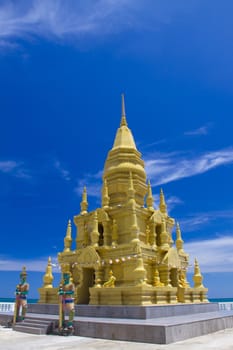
(203, 130)
(70, 19)
(8, 166)
(171, 201)
(58, 18)
(162, 168)
(198, 220)
(39, 264)
(14, 168)
(65, 174)
(213, 255)
(93, 183)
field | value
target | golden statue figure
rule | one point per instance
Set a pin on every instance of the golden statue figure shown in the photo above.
(111, 281)
(66, 294)
(182, 282)
(21, 297)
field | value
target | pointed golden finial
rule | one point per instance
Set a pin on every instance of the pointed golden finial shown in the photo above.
(162, 204)
(48, 276)
(105, 197)
(149, 199)
(179, 240)
(84, 203)
(197, 277)
(123, 115)
(124, 137)
(68, 238)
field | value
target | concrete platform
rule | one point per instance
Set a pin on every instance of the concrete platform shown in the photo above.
(129, 312)
(157, 330)
(11, 340)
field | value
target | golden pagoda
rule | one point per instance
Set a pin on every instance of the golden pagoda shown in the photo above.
(125, 253)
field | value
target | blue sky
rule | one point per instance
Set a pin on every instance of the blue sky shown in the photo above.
(63, 67)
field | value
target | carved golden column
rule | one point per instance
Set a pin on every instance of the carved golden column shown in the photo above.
(164, 237)
(114, 233)
(95, 232)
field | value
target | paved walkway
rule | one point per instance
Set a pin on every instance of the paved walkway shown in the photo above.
(10, 340)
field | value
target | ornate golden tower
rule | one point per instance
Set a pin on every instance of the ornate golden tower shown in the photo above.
(127, 243)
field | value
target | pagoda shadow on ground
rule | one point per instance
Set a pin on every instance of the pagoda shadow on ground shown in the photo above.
(148, 324)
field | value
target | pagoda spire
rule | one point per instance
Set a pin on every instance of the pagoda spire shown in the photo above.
(68, 238)
(123, 115)
(124, 137)
(84, 203)
(179, 240)
(149, 199)
(121, 159)
(162, 204)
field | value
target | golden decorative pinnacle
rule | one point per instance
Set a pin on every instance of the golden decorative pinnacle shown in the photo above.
(179, 240)
(149, 199)
(105, 197)
(123, 116)
(48, 276)
(197, 277)
(68, 238)
(84, 203)
(162, 204)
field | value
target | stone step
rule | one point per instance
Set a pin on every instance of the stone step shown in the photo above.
(31, 330)
(34, 326)
(37, 320)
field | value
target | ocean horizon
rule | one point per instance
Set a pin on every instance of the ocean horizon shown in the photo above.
(34, 301)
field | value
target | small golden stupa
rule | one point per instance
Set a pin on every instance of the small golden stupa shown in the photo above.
(127, 243)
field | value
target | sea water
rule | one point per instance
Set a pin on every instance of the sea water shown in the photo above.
(34, 301)
(12, 300)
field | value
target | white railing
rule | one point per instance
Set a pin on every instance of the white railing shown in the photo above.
(225, 306)
(7, 307)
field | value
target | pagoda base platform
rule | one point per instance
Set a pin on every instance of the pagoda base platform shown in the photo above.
(130, 312)
(150, 324)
